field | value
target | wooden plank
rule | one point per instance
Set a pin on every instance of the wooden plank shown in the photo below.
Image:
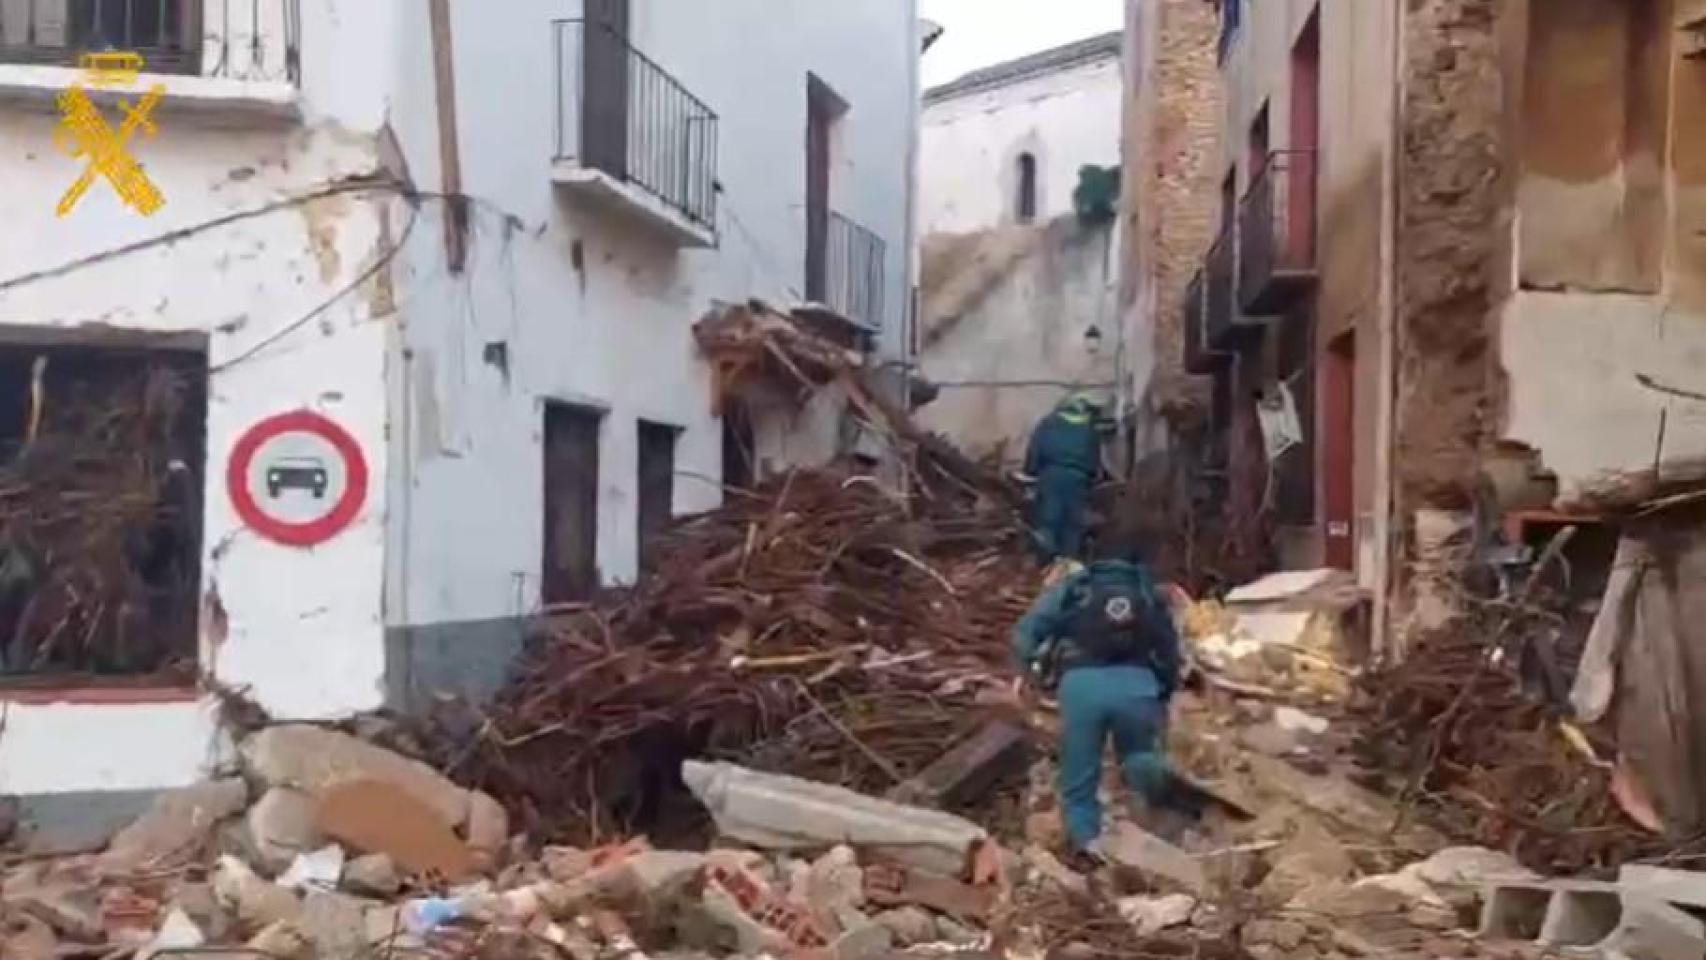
(970, 769)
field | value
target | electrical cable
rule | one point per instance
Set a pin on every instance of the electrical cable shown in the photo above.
(381, 262)
(184, 233)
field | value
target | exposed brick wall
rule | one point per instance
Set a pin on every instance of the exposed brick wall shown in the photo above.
(1170, 193)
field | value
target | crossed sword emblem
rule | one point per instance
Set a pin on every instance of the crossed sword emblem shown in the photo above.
(91, 136)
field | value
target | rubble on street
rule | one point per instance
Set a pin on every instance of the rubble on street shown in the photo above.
(800, 735)
(748, 754)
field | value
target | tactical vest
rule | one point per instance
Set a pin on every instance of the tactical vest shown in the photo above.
(1113, 623)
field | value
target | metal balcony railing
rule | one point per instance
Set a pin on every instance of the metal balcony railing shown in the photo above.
(622, 114)
(854, 272)
(1218, 301)
(256, 40)
(1276, 233)
(1199, 359)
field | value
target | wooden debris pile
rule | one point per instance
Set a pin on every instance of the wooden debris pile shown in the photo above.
(100, 514)
(751, 343)
(1481, 751)
(823, 626)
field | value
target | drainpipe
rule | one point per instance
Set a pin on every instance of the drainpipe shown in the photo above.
(1385, 498)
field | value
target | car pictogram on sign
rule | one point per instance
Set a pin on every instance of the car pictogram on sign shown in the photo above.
(297, 473)
(297, 478)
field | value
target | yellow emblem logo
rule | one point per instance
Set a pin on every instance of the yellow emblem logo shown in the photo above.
(84, 132)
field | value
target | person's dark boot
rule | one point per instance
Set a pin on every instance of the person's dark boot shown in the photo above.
(1084, 861)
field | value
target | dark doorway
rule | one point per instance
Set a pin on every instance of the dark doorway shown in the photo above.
(1228, 203)
(1027, 200)
(1338, 452)
(823, 108)
(1294, 472)
(1260, 144)
(657, 485)
(604, 113)
(571, 503)
(740, 465)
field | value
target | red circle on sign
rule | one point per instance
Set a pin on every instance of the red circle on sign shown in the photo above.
(313, 532)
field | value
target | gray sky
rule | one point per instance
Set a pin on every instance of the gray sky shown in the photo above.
(982, 32)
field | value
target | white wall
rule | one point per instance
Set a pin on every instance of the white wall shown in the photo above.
(287, 326)
(615, 335)
(1010, 348)
(304, 307)
(971, 143)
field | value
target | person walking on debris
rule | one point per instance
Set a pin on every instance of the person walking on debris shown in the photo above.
(1106, 632)
(1064, 457)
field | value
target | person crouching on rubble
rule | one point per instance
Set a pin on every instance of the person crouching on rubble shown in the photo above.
(1106, 632)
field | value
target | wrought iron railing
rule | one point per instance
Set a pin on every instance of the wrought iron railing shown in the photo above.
(1198, 357)
(1219, 300)
(1276, 229)
(622, 114)
(233, 39)
(854, 272)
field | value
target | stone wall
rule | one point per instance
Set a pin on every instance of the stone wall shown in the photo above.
(1452, 241)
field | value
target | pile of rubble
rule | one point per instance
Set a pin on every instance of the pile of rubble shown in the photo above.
(823, 627)
(323, 846)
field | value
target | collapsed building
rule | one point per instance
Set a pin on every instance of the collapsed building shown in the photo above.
(1425, 280)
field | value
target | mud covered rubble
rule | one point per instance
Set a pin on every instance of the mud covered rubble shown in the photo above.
(390, 857)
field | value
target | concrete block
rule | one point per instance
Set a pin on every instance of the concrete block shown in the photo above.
(1579, 913)
(1655, 930)
(1663, 883)
(1130, 846)
(1514, 912)
(1581, 918)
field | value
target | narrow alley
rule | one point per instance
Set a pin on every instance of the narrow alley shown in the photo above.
(891, 480)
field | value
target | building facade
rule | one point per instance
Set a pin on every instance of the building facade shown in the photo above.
(421, 296)
(1015, 285)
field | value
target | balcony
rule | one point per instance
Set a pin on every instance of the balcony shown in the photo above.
(854, 272)
(1199, 359)
(1220, 313)
(207, 54)
(631, 138)
(1276, 235)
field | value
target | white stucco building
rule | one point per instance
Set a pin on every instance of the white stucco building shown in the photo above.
(473, 238)
(1016, 299)
(1019, 129)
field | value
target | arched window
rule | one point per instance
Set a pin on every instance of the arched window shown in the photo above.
(1026, 207)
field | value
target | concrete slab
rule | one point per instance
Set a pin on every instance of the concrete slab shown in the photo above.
(1655, 930)
(1686, 887)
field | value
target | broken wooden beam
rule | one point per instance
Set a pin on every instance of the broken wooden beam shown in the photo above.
(970, 769)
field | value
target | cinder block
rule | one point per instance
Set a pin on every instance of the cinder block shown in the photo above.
(1655, 930)
(1581, 918)
(1662, 883)
(1564, 912)
(1514, 911)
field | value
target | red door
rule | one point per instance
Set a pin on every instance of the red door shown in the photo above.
(1338, 452)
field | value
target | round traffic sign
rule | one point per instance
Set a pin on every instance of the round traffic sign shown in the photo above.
(297, 478)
